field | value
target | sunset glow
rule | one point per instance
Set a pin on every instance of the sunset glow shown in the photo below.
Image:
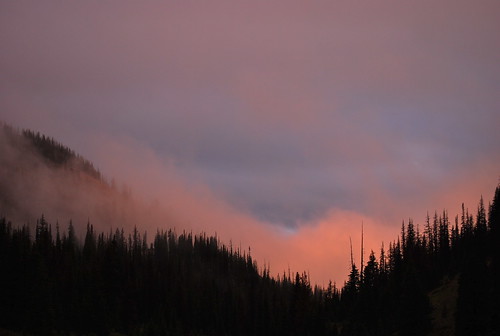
(278, 126)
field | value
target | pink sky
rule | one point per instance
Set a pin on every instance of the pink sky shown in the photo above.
(289, 120)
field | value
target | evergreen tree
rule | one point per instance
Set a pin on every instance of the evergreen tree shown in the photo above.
(192, 284)
(371, 272)
(481, 223)
(494, 214)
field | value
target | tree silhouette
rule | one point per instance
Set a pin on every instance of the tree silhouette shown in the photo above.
(52, 282)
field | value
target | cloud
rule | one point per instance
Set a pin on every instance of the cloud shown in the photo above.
(321, 248)
(157, 198)
(281, 111)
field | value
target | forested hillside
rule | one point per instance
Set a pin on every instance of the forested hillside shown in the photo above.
(40, 175)
(437, 278)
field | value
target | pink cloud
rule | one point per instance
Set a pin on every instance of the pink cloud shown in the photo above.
(320, 247)
(370, 112)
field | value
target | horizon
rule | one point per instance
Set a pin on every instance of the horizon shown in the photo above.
(292, 121)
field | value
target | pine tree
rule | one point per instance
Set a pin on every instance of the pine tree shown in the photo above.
(371, 272)
(481, 224)
(494, 214)
(382, 261)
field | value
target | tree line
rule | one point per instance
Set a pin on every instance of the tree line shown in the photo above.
(51, 151)
(391, 293)
(52, 282)
(192, 284)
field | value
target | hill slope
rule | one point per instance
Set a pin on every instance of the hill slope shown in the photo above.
(84, 277)
(41, 176)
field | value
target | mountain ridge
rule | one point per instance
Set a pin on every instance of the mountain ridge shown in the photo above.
(193, 284)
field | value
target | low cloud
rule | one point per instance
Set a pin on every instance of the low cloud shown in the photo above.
(282, 115)
(157, 198)
(320, 247)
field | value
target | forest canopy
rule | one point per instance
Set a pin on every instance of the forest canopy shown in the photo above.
(442, 275)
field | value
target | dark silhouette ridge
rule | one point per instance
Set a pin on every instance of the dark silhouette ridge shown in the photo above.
(50, 150)
(443, 280)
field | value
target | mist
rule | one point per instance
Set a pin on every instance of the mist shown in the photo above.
(149, 193)
(268, 124)
(151, 196)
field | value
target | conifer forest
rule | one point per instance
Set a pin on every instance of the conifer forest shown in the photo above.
(440, 277)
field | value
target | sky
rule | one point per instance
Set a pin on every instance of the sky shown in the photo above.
(295, 120)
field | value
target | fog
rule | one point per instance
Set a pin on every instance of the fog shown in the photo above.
(151, 196)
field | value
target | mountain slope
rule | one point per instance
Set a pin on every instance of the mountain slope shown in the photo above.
(93, 277)
(40, 176)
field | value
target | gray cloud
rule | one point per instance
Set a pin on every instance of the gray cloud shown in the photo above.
(284, 110)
